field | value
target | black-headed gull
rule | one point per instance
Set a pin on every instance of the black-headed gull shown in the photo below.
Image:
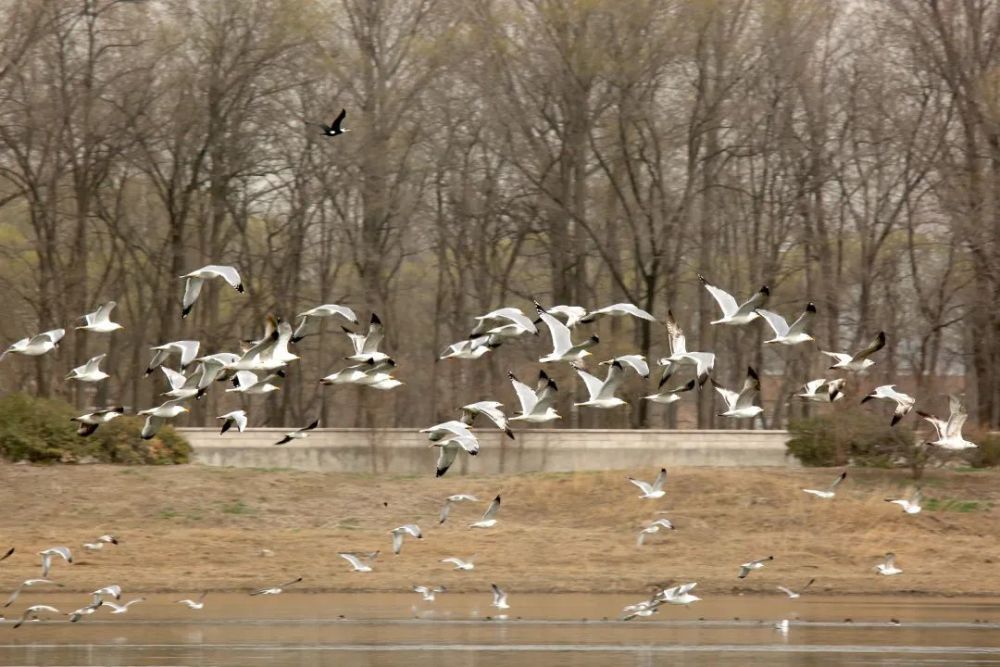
(36, 345)
(196, 279)
(459, 563)
(602, 393)
(828, 492)
(114, 591)
(654, 490)
(792, 595)
(949, 433)
(904, 402)
(734, 314)
(90, 421)
(122, 608)
(87, 610)
(276, 590)
(563, 348)
(489, 517)
(888, 566)
(237, 418)
(859, 361)
(196, 604)
(680, 595)
(910, 505)
(536, 404)
(789, 335)
(741, 405)
(411, 529)
(99, 321)
(747, 568)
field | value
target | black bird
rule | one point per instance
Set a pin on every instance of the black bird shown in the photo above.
(334, 128)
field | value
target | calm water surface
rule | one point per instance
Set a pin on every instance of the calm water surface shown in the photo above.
(460, 631)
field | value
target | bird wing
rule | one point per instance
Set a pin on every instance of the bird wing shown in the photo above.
(175, 379)
(514, 315)
(803, 321)
(808, 584)
(310, 427)
(840, 357)
(940, 425)
(594, 384)
(636, 362)
(192, 289)
(103, 314)
(93, 364)
(397, 541)
(645, 487)
(491, 410)
(744, 571)
(240, 417)
(675, 335)
(492, 510)
(446, 456)
(890, 560)
(188, 350)
(786, 591)
(499, 597)
(152, 425)
(837, 481)
(227, 273)
(813, 385)
(338, 121)
(877, 344)
(750, 390)
(561, 339)
(616, 374)
(54, 335)
(525, 395)
(754, 302)
(661, 478)
(777, 323)
(445, 510)
(725, 300)
(375, 335)
(729, 396)
(957, 418)
(620, 309)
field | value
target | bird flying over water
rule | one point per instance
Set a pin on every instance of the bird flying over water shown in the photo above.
(792, 595)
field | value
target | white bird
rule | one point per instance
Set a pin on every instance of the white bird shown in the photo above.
(741, 405)
(90, 421)
(642, 608)
(655, 527)
(949, 433)
(666, 394)
(602, 394)
(113, 590)
(366, 346)
(357, 561)
(654, 490)
(911, 505)
(888, 567)
(618, 310)
(732, 313)
(536, 404)
(182, 386)
(828, 492)
(411, 529)
(789, 335)
(36, 345)
(456, 498)
(48, 554)
(703, 362)
(99, 321)
(859, 361)
(237, 418)
(194, 281)
(247, 382)
(505, 323)
(93, 546)
(904, 402)
(90, 371)
(833, 392)
(77, 614)
(489, 517)
(636, 362)
(499, 597)
(459, 563)
(122, 608)
(367, 373)
(186, 349)
(680, 594)
(447, 430)
(792, 595)
(155, 417)
(747, 568)
(108, 539)
(299, 433)
(27, 583)
(217, 367)
(32, 612)
(568, 315)
(326, 310)
(489, 409)
(449, 448)
(563, 348)
(270, 352)
(276, 590)
(471, 348)
(427, 593)
(196, 604)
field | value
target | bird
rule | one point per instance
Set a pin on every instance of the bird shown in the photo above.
(48, 554)
(27, 583)
(703, 362)
(99, 321)
(93, 546)
(536, 404)
(910, 505)
(76, 615)
(122, 608)
(237, 418)
(398, 533)
(456, 498)
(36, 345)
(563, 348)
(746, 568)
(949, 433)
(448, 449)
(427, 593)
(32, 612)
(789, 335)
(680, 595)
(182, 386)
(196, 279)
(504, 323)
(448, 430)
(336, 127)
(666, 394)
(108, 539)
(499, 597)
(741, 405)
(859, 361)
(904, 402)
(366, 346)
(792, 595)
(733, 314)
(326, 310)
(829, 491)
(489, 409)
(654, 490)
(186, 349)
(655, 527)
(782, 625)
(367, 372)
(568, 315)
(602, 394)
(459, 563)
(155, 417)
(888, 567)
(471, 348)
(833, 392)
(113, 590)
(636, 362)
(247, 382)
(90, 371)
(618, 310)
(270, 353)
(276, 590)
(196, 604)
(642, 608)
(90, 421)
(357, 561)
(489, 517)
(299, 433)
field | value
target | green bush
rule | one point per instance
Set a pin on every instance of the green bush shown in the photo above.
(987, 454)
(852, 435)
(40, 430)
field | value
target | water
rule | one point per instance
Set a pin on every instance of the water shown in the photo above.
(458, 631)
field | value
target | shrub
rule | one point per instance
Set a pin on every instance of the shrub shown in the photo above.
(854, 436)
(40, 430)
(987, 454)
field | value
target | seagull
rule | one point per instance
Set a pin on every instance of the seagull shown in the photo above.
(237, 418)
(113, 590)
(335, 128)
(536, 404)
(122, 608)
(746, 568)
(187, 349)
(326, 310)
(365, 373)
(448, 430)
(618, 309)
(398, 533)
(489, 409)
(859, 361)
(679, 594)
(90, 421)
(489, 517)
(300, 433)
(499, 597)
(792, 595)
(904, 402)
(36, 345)
(703, 362)
(184, 386)
(472, 348)
(457, 498)
(93, 546)
(505, 323)
(195, 280)
(217, 367)
(48, 554)
(733, 314)
(32, 613)
(427, 593)
(949, 433)
(655, 527)
(366, 346)
(834, 390)
(888, 568)
(449, 448)
(602, 394)
(90, 371)
(99, 321)
(642, 608)
(569, 315)
(667, 394)
(910, 506)
(829, 491)
(155, 417)
(276, 590)
(27, 583)
(789, 335)
(357, 561)
(76, 615)
(108, 539)
(741, 405)
(270, 352)
(654, 490)
(563, 348)
(459, 563)
(197, 604)
(636, 362)
(247, 382)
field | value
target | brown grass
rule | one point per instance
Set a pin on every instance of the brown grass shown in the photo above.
(190, 527)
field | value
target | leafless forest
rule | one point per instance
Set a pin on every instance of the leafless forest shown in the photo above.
(577, 151)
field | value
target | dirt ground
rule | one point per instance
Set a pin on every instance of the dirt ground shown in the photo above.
(191, 528)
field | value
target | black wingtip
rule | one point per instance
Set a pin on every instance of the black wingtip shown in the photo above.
(765, 290)
(510, 434)
(895, 420)
(239, 288)
(811, 307)
(311, 426)
(440, 472)
(704, 281)
(542, 375)
(186, 311)
(867, 398)
(552, 383)
(375, 319)
(511, 376)
(595, 338)
(752, 373)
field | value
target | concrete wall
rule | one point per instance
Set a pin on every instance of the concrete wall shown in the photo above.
(406, 452)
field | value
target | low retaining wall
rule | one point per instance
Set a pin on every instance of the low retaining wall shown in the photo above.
(406, 452)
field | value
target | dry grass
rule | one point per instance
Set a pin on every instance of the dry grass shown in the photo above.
(191, 527)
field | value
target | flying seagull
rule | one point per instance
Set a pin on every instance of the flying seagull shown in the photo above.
(741, 405)
(829, 491)
(247, 382)
(636, 362)
(859, 361)
(733, 314)
(36, 345)
(499, 597)
(789, 335)
(888, 567)
(666, 394)
(237, 418)
(654, 490)
(949, 433)
(489, 517)
(90, 371)
(563, 348)
(536, 404)
(366, 345)
(90, 421)
(48, 554)
(76, 615)
(448, 430)
(113, 590)
(679, 594)
(411, 529)
(326, 310)
(449, 448)
(194, 281)
(459, 563)
(336, 127)
(122, 608)
(195, 604)
(32, 612)
(300, 433)
(155, 417)
(655, 527)
(456, 498)
(99, 321)
(703, 362)
(357, 561)
(26, 584)
(617, 310)
(182, 386)
(910, 505)
(489, 409)
(504, 323)
(747, 568)
(602, 394)
(427, 593)
(187, 349)
(792, 595)
(904, 402)
(814, 390)
(471, 348)
(276, 590)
